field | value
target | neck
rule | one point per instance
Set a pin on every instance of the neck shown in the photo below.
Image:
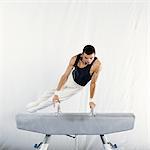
(83, 61)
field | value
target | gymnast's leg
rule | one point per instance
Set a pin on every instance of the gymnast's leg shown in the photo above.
(69, 89)
(44, 97)
(64, 95)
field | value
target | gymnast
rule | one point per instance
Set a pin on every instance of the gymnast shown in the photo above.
(82, 68)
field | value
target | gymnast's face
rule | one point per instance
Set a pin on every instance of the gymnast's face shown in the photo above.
(87, 59)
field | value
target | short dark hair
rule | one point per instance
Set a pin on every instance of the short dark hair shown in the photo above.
(89, 49)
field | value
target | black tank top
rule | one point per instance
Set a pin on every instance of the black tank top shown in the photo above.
(82, 75)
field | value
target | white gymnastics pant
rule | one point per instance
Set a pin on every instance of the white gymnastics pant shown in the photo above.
(70, 88)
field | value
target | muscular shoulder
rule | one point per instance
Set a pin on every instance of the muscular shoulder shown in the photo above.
(72, 60)
(96, 65)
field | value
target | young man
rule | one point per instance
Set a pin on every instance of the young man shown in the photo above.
(82, 68)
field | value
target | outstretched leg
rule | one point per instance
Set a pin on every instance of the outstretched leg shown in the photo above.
(70, 89)
(41, 105)
(44, 97)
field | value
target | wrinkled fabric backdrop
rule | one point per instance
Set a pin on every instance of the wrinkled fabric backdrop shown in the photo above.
(37, 40)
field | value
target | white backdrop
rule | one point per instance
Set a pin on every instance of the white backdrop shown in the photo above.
(37, 39)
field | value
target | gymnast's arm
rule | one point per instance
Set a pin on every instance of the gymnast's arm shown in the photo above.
(64, 77)
(97, 68)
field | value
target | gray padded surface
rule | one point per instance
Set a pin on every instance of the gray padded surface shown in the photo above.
(75, 123)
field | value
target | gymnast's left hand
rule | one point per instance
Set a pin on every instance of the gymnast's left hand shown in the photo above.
(92, 105)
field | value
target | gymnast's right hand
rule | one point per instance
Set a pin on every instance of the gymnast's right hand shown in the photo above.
(55, 99)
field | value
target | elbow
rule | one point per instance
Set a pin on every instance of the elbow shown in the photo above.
(93, 84)
(64, 77)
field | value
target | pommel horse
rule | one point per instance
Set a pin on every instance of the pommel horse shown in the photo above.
(73, 124)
